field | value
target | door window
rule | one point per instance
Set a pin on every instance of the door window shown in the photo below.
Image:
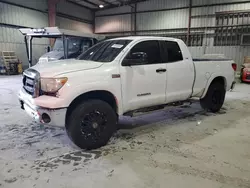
(151, 48)
(173, 50)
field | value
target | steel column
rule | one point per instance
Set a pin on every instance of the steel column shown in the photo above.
(52, 15)
(133, 19)
(30, 51)
(189, 21)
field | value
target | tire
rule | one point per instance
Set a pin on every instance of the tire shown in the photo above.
(91, 124)
(214, 98)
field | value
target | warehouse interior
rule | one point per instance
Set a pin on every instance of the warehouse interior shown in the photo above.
(180, 146)
(207, 27)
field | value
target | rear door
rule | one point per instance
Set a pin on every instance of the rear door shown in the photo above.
(144, 85)
(180, 73)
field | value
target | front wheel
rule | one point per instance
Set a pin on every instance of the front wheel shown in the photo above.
(91, 124)
(214, 98)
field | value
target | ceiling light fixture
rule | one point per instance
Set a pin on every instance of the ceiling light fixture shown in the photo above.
(101, 6)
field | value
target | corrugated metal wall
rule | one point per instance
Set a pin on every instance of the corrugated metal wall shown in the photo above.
(235, 52)
(116, 23)
(145, 21)
(157, 20)
(66, 8)
(74, 10)
(70, 24)
(15, 15)
(35, 4)
(11, 39)
(158, 17)
(162, 4)
(113, 23)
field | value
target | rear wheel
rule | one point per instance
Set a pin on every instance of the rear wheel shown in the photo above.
(215, 97)
(91, 124)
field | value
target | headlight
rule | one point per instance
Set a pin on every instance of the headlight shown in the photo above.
(52, 85)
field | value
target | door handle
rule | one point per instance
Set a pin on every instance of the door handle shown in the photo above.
(161, 70)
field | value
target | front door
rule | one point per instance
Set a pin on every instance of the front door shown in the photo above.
(144, 84)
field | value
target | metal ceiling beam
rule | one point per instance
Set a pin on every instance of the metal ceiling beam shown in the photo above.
(131, 2)
(122, 3)
(109, 4)
(80, 5)
(89, 2)
(125, 3)
(106, 2)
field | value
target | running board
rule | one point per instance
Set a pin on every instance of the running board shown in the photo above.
(144, 111)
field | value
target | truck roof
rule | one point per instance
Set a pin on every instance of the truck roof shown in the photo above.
(145, 37)
(52, 32)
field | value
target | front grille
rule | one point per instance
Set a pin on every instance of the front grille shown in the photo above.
(28, 84)
(248, 77)
(31, 82)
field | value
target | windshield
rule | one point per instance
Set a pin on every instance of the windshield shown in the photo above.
(74, 44)
(58, 46)
(105, 51)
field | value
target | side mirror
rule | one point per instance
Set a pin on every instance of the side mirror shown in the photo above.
(48, 48)
(136, 58)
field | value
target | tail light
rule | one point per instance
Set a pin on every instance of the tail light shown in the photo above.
(234, 66)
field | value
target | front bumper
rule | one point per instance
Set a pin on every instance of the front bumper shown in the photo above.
(41, 115)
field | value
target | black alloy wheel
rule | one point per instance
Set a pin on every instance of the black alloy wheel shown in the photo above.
(214, 98)
(91, 124)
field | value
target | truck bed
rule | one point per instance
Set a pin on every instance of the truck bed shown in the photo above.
(205, 70)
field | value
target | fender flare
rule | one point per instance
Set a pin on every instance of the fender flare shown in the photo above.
(211, 79)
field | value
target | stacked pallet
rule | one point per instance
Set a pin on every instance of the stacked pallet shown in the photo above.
(247, 60)
(10, 62)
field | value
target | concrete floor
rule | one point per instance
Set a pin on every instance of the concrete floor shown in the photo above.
(178, 147)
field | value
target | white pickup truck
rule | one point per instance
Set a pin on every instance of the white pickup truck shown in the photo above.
(119, 77)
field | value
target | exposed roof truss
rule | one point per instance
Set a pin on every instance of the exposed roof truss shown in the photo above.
(95, 4)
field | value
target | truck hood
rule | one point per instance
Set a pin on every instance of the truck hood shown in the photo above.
(51, 56)
(55, 68)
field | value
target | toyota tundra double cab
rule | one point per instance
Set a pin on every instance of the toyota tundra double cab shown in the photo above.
(120, 77)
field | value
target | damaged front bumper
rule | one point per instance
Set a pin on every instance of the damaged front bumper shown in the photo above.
(41, 115)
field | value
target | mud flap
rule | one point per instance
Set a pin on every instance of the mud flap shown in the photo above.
(232, 86)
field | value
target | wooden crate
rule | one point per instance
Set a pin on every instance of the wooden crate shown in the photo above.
(246, 59)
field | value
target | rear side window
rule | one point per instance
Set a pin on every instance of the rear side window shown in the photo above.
(173, 50)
